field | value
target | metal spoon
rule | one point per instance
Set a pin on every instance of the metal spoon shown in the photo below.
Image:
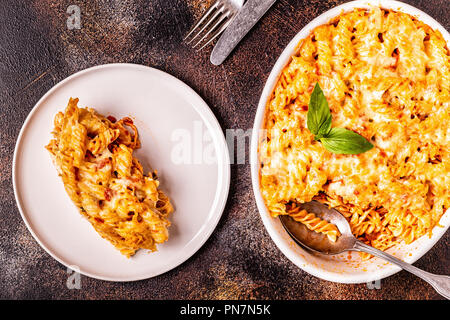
(318, 242)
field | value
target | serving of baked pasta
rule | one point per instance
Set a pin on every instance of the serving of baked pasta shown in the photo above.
(386, 77)
(94, 157)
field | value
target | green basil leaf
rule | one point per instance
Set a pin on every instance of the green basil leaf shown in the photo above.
(319, 116)
(343, 141)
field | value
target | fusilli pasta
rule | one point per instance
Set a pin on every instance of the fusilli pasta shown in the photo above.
(386, 76)
(94, 157)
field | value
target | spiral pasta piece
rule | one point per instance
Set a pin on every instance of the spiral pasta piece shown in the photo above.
(314, 223)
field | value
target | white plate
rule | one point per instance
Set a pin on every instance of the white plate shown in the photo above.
(165, 111)
(344, 268)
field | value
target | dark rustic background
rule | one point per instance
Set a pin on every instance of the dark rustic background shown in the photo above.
(239, 261)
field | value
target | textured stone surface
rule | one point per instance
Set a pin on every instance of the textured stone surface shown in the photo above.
(239, 260)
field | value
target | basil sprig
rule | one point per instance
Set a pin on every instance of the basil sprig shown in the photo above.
(336, 140)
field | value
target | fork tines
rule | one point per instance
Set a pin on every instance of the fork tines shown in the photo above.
(211, 24)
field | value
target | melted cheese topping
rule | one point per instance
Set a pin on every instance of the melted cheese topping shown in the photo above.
(386, 76)
(94, 157)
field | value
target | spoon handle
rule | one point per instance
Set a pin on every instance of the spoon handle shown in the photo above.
(440, 283)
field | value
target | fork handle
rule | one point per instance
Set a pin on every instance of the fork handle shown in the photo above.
(440, 283)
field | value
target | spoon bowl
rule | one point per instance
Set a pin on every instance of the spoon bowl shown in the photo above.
(319, 242)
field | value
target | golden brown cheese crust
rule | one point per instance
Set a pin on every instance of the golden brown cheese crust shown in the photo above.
(94, 156)
(386, 76)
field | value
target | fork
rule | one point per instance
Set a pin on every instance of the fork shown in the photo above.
(213, 22)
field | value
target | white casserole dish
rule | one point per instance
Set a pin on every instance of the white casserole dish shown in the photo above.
(346, 267)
